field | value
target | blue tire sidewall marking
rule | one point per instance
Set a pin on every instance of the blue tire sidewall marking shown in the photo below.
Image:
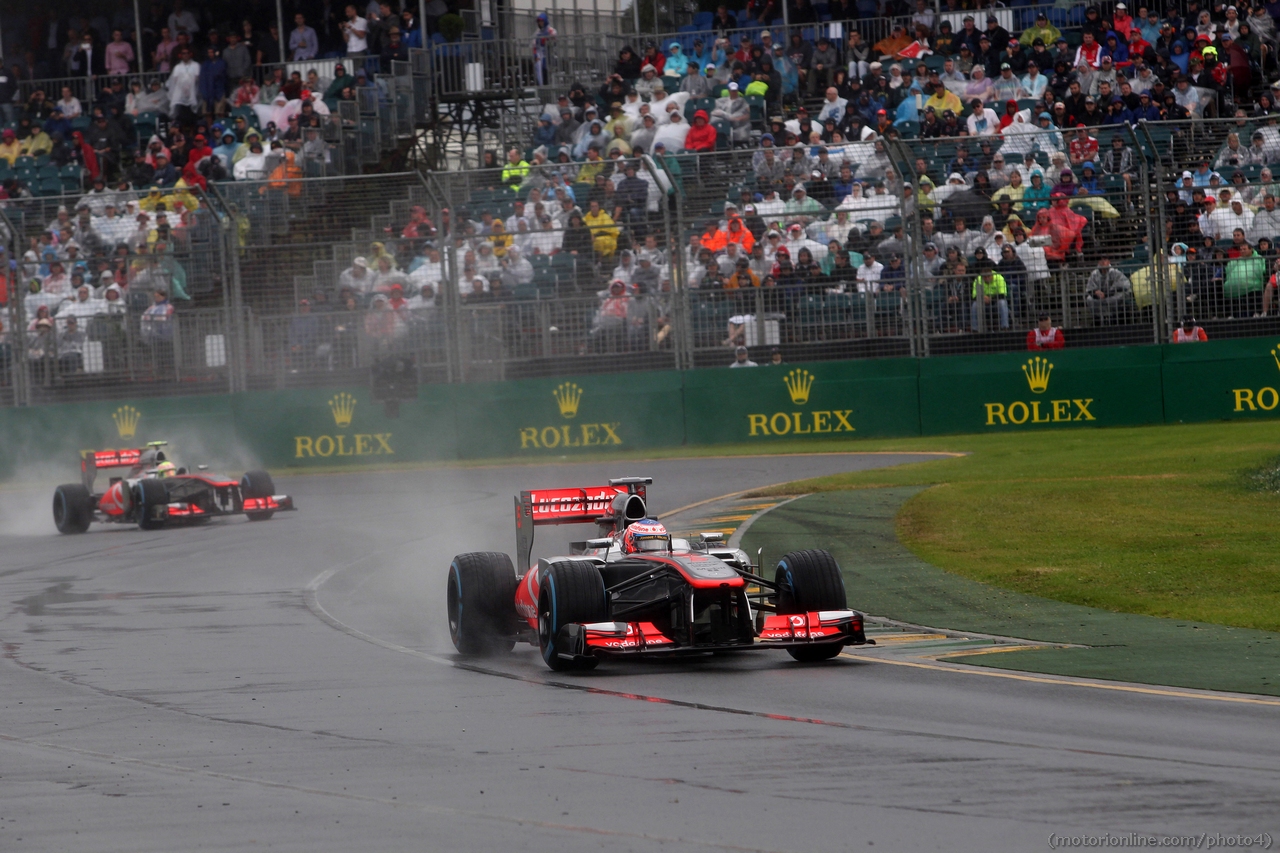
(550, 650)
(457, 582)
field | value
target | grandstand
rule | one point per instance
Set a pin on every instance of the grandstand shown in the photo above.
(304, 270)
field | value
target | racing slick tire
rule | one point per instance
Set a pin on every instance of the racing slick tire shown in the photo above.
(150, 494)
(257, 484)
(481, 602)
(810, 580)
(72, 508)
(572, 591)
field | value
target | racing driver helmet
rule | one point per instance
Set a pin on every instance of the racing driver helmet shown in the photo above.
(166, 469)
(647, 534)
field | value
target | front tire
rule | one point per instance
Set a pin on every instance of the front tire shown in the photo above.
(150, 493)
(481, 603)
(572, 591)
(72, 508)
(810, 580)
(257, 484)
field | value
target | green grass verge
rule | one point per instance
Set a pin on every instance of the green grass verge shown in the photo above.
(885, 579)
(1171, 521)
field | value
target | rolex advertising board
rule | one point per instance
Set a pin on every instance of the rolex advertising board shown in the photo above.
(325, 428)
(1222, 379)
(565, 416)
(846, 399)
(1052, 389)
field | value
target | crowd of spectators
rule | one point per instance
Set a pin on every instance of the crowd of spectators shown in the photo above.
(1028, 133)
(105, 269)
(1020, 136)
(210, 88)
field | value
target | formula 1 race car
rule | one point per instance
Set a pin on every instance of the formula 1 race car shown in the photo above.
(156, 493)
(635, 590)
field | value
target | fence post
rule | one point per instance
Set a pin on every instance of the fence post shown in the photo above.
(17, 316)
(233, 298)
(1161, 287)
(917, 333)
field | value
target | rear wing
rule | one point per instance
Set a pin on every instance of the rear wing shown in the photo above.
(620, 502)
(91, 461)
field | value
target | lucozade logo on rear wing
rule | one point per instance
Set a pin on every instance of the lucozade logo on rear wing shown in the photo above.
(585, 504)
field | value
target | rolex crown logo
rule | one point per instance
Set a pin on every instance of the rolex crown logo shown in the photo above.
(568, 396)
(798, 383)
(1276, 355)
(126, 418)
(1037, 371)
(343, 407)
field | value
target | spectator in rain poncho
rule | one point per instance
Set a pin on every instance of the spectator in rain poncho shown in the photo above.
(278, 112)
(734, 109)
(253, 166)
(677, 64)
(673, 133)
(786, 72)
(1036, 196)
(1019, 135)
(85, 306)
(595, 135)
(226, 151)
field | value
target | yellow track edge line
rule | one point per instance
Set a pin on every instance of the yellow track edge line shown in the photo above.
(997, 649)
(1069, 682)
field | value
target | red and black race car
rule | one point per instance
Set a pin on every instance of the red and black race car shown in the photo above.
(156, 493)
(624, 594)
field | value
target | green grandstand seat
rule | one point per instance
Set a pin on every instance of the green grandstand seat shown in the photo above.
(692, 106)
(70, 177)
(50, 186)
(25, 162)
(48, 170)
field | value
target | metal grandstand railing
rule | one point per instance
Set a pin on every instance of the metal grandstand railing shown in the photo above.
(479, 67)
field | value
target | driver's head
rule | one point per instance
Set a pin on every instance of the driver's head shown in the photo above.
(166, 469)
(648, 534)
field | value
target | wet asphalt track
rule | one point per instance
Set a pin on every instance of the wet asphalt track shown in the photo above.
(290, 686)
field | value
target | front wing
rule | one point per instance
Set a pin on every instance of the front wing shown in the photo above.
(583, 640)
(178, 511)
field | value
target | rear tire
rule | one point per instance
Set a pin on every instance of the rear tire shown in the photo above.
(481, 602)
(810, 580)
(257, 484)
(151, 493)
(72, 508)
(572, 591)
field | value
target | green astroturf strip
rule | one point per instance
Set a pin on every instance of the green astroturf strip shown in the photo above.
(886, 579)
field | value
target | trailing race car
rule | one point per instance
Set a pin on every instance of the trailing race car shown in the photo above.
(635, 590)
(156, 493)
